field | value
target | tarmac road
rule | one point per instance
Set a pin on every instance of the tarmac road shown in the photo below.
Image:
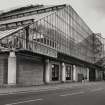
(82, 95)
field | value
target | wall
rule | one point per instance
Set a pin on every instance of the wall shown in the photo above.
(29, 70)
(3, 68)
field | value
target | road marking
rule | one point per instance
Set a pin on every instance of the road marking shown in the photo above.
(23, 92)
(97, 90)
(72, 94)
(40, 99)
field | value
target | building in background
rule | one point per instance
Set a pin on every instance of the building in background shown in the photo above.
(48, 44)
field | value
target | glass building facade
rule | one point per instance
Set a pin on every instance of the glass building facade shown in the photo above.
(62, 31)
(53, 44)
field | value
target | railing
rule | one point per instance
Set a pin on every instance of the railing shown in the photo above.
(18, 41)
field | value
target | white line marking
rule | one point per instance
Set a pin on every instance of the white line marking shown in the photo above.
(40, 99)
(97, 90)
(21, 92)
(72, 94)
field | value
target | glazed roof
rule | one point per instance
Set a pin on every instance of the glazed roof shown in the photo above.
(8, 32)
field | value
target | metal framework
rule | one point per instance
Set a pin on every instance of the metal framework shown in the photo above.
(62, 31)
(99, 49)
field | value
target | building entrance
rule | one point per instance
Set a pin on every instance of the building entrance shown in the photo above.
(55, 72)
(69, 70)
(92, 75)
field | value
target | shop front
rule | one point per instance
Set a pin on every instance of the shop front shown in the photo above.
(69, 72)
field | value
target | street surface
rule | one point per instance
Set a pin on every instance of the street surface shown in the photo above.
(82, 95)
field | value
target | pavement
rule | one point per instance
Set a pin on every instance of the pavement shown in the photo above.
(18, 90)
(88, 93)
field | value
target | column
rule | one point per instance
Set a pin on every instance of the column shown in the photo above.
(27, 37)
(63, 77)
(87, 74)
(12, 68)
(74, 73)
(100, 75)
(97, 74)
(47, 71)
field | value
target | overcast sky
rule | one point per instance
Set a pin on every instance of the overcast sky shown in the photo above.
(91, 11)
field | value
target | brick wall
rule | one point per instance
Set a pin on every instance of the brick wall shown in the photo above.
(29, 70)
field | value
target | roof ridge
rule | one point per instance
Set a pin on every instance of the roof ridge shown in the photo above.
(38, 6)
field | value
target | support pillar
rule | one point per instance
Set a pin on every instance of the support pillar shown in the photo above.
(96, 74)
(47, 71)
(87, 74)
(74, 73)
(12, 68)
(63, 78)
(100, 75)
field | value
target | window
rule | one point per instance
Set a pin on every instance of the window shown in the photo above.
(47, 41)
(27, 22)
(27, 14)
(20, 15)
(2, 27)
(55, 72)
(33, 13)
(13, 17)
(12, 25)
(19, 23)
(69, 72)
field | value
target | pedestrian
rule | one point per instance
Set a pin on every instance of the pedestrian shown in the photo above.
(83, 79)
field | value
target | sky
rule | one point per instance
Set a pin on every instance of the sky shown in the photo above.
(91, 11)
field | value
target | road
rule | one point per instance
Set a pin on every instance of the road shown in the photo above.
(82, 95)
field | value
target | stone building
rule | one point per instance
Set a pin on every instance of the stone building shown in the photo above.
(46, 44)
